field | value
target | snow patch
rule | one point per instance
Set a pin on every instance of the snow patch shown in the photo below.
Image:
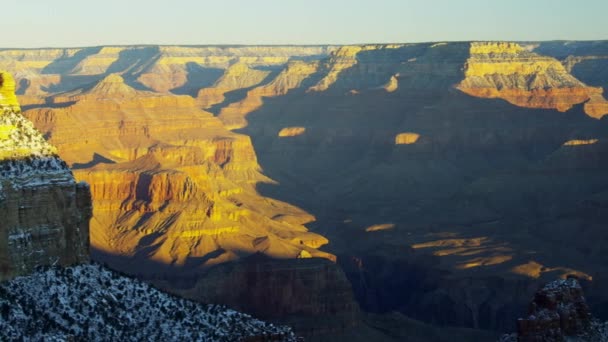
(92, 303)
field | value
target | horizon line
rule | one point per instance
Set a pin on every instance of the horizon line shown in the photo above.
(299, 45)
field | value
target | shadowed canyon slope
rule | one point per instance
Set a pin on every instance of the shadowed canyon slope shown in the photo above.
(450, 180)
(44, 213)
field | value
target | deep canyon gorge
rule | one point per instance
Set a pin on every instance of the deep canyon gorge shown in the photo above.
(342, 190)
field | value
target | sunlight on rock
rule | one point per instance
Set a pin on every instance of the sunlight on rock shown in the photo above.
(534, 269)
(577, 142)
(291, 131)
(473, 242)
(406, 138)
(495, 48)
(485, 261)
(392, 84)
(378, 227)
(209, 232)
(6, 130)
(304, 255)
(7, 91)
(526, 79)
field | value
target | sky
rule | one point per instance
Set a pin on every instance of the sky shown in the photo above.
(68, 23)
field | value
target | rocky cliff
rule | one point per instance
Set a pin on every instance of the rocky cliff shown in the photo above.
(511, 72)
(45, 213)
(559, 312)
(311, 295)
(453, 170)
(170, 184)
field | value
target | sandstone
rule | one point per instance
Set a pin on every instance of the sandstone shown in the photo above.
(7, 92)
(510, 72)
(342, 59)
(237, 76)
(45, 213)
(406, 138)
(558, 312)
(169, 183)
(486, 194)
(578, 142)
(392, 84)
(295, 292)
(292, 131)
(234, 115)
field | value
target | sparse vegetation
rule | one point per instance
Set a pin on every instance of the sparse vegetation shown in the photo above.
(92, 303)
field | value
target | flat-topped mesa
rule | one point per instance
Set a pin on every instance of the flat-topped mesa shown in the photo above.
(496, 48)
(523, 78)
(172, 63)
(45, 214)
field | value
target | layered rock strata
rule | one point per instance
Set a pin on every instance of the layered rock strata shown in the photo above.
(170, 184)
(45, 213)
(511, 72)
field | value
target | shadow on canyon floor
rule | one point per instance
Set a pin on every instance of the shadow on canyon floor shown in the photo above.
(482, 169)
(311, 295)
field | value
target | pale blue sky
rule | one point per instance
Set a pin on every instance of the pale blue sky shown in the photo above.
(61, 23)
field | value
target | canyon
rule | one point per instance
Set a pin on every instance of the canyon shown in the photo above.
(441, 181)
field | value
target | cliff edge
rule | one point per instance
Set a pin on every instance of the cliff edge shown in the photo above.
(44, 213)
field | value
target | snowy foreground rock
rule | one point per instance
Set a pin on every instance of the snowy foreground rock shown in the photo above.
(92, 303)
(559, 313)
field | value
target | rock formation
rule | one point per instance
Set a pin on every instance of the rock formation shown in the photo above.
(559, 312)
(510, 72)
(466, 173)
(170, 184)
(45, 213)
(311, 295)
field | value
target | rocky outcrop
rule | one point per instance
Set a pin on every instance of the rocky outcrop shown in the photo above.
(174, 64)
(45, 213)
(313, 296)
(234, 115)
(170, 184)
(486, 190)
(406, 138)
(291, 131)
(511, 72)
(559, 312)
(237, 76)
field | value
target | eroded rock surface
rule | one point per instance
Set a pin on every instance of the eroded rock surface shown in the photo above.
(44, 212)
(511, 72)
(559, 312)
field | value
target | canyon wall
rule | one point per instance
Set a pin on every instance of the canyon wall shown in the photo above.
(45, 213)
(423, 170)
(511, 72)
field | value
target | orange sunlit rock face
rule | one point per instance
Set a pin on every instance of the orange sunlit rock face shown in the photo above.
(404, 173)
(510, 72)
(406, 138)
(578, 142)
(380, 227)
(234, 115)
(534, 269)
(44, 213)
(291, 131)
(166, 177)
